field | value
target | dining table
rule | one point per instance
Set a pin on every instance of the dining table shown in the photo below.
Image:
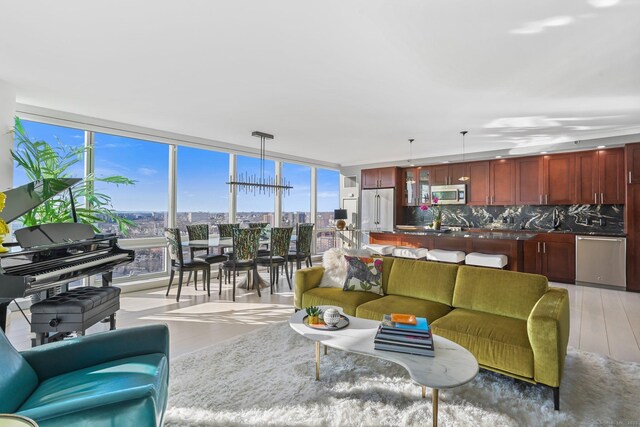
(227, 242)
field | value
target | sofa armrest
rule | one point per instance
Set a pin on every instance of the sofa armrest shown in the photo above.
(57, 358)
(548, 330)
(307, 278)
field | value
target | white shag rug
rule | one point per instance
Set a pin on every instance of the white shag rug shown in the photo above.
(266, 378)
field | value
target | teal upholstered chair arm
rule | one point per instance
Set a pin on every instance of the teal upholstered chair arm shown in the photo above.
(71, 355)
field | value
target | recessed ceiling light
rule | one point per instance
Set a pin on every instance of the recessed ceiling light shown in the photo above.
(600, 146)
(498, 157)
(543, 152)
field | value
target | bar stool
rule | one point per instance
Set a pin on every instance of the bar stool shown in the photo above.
(441, 255)
(411, 253)
(379, 249)
(486, 260)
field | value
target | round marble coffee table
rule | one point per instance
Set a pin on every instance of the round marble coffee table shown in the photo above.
(452, 366)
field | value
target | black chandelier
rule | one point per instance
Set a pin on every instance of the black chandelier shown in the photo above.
(258, 184)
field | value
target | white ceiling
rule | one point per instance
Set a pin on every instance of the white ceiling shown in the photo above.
(340, 81)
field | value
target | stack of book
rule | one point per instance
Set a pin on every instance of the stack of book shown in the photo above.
(405, 334)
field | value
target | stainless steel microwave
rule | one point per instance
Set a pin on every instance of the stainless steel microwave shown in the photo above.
(450, 194)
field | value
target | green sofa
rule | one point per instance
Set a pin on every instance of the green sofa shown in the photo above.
(512, 322)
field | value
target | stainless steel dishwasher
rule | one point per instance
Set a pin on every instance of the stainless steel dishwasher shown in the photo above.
(601, 261)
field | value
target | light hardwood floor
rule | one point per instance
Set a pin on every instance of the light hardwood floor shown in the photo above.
(602, 321)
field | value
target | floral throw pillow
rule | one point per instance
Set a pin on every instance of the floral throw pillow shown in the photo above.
(364, 274)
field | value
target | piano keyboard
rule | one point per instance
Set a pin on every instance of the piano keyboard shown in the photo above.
(75, 265)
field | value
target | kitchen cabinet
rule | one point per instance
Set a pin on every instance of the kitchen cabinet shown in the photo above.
(415, 186)
(529, 188)
(552, 255)
(448, 174)
(632, 153)
(478, 184)
(600, 177)
(632, 216)
(502, 189)
(558, 179)
(379, 178)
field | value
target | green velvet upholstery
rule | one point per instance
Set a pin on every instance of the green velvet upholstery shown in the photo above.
(111, 378)
(512, 322)
(432, 281)
(494, 340)
(398, 304)
(507, 293)
(548, 329)
(349, 301)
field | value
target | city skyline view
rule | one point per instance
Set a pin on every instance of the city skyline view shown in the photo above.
(202, 175)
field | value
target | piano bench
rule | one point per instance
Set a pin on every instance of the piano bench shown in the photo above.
(73, 311)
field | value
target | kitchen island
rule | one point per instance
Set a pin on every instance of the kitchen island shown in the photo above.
(507, 243)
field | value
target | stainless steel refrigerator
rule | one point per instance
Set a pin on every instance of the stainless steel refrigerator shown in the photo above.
(378, 210)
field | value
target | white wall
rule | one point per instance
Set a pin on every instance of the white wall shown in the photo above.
(7, 112)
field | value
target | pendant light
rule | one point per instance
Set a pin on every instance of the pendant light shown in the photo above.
(410, 161)
(463, 178)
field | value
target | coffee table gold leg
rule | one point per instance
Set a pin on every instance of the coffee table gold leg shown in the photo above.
(326, 350)
(424, 392)
(434, 395)
(317, 360)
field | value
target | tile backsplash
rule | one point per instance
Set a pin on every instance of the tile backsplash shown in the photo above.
(578, 218)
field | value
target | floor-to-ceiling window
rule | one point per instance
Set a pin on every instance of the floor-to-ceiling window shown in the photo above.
(296, 203)
(258, 205)
(145, 203)
(328, 199)
(67, 143)
(202, 194)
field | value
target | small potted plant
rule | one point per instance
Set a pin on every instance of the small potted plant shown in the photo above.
(436, 210)
(314, 315)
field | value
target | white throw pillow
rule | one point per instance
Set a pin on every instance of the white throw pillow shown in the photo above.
(335, 266)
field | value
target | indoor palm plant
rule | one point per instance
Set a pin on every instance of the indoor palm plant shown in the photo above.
(40, 160)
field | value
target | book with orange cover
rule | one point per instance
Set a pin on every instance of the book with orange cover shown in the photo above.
(405, 319)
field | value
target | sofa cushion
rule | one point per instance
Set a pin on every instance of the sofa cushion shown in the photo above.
(399, 304)
(496, 341)
(119, 381)
(333, 296)
(364, 274)
(506, 293)
(17, 377)
(422, 279)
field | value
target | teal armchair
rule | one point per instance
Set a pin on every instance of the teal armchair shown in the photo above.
(106, 379)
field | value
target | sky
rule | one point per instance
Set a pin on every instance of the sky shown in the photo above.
(202, 175)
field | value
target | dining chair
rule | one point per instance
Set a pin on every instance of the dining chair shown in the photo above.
(280, 241)
(201, 232)
(304, 237)
(245, 248)
(178, 263)
(264, 234)
(225, 231)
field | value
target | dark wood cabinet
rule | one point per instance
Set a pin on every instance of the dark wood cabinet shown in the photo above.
(448, 174)
(415, 186)
(632, 154)
(611, 176)
(502, 189)
(587, 178)
(529, 181)
(478, 184)
(632, 216)
(552, 255)
(378, 178)
(559, 179)
(600, 177)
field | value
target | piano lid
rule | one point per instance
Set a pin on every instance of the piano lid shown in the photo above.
(21, 200)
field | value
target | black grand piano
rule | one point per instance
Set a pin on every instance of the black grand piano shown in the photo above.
(49, 256)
